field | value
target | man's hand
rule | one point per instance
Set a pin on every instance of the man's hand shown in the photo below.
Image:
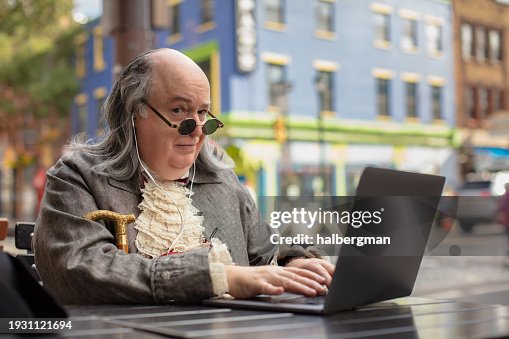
(318, 266)
(246, 282)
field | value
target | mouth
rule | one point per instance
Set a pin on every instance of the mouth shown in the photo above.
(186, 148)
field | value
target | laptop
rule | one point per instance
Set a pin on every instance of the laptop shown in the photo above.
(376, 272)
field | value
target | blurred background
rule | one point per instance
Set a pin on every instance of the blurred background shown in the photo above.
(311, 91)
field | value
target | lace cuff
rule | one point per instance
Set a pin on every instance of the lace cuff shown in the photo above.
(218, 278)
(218, 257)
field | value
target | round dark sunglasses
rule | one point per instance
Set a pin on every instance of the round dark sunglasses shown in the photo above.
(187, 126)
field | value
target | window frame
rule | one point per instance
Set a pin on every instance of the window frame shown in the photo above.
(410, 31)
(434, 41)
(480, 43)
(415, 105)
(470, 102)
(279, 21)
(495, 55)
(277, 101)
(383, 31)
(205, 23)
(382, 28)
(175, 21)
(434, 106)
(383, 106)
(206, 11)
(323, 108)
(329, 19)
(467, 47)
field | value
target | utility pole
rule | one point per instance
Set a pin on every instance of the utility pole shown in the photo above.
(128, 21)
(321, 87)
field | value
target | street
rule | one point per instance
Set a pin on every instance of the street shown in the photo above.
(477, 274)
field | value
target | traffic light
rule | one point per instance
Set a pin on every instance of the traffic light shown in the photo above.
(280, 129)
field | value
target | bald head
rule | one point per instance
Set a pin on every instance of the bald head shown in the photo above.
(175, 66)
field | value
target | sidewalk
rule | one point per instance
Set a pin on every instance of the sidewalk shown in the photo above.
(481, 279)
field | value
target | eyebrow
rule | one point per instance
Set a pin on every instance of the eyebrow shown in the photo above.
(179, 98)
(187, 100)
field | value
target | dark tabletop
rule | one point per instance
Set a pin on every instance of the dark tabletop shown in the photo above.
(400, 318)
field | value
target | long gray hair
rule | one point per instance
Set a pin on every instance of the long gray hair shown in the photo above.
(117, 146)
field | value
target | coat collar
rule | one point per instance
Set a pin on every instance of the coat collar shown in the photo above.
(205, 177)
(131, 186)
(134, 184)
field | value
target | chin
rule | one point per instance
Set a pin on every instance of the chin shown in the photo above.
(183, 167)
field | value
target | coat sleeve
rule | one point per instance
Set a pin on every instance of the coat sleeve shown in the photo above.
(78, 260)
(260, 250)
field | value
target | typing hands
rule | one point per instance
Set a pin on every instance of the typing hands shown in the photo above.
(302, 276)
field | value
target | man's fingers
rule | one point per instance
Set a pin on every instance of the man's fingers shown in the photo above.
(329, 267)
(267, 288)
(298, 286)
(308, 273)
(305, 278)
(320, 267)
(315, 272)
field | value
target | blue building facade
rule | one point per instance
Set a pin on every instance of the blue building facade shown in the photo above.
(94, 62)
(311, 91)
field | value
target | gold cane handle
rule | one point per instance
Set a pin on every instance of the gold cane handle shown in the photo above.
(120, 220)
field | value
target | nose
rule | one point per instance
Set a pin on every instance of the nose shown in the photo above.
(198, 129)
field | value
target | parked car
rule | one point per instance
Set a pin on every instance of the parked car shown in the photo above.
(478, 199)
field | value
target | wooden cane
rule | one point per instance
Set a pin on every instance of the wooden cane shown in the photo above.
(120, 220)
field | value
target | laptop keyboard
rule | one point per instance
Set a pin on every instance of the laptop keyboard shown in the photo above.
(306, 300)
(292, 299)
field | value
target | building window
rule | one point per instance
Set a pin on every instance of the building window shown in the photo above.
(497, 100)
(436, 102)
(174, 10)
(324, 86)
(494, 45)
(325, 16)
(383, 96)
(434, 36)
(467, 41)
(470, 102)
(206, 11)
(411, 99)
(382, 27)
(274, 11)
(409, 40)
(480, 43)
(483, 102)
(278, 86)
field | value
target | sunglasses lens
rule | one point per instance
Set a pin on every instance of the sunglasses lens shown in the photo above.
(187, 127)
(210, 126)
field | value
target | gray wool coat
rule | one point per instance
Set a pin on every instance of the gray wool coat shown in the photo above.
(78, 260)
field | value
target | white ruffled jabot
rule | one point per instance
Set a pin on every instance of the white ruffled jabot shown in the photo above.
(159, 224)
